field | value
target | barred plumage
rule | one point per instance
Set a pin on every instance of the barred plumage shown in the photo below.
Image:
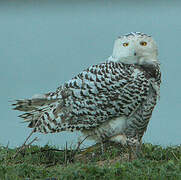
(108, 101)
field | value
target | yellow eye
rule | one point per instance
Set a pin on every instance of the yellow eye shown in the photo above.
(125, 44)
(143, 43)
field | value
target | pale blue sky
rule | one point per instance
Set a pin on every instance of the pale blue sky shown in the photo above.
(45, 43)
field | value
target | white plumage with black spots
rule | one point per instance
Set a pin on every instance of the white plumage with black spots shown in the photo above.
(113, 100)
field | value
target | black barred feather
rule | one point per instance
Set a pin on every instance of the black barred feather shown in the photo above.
(91, 98)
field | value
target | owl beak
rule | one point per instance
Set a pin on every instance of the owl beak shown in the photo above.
(136, 57)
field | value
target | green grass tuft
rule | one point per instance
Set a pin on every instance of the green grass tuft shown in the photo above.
(48, 162)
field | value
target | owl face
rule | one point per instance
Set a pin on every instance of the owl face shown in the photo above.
(135, 48)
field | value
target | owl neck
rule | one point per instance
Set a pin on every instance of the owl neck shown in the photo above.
(114, 59)
(150, 67)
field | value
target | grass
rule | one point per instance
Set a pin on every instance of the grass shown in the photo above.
(34, 162)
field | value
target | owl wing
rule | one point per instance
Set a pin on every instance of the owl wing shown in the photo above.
(106, 91)
(94, 96)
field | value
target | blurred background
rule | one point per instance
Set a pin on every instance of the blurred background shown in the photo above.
(45, 43)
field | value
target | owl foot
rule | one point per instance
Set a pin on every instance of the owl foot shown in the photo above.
(134, 148)
(133, 144)
(120, 138)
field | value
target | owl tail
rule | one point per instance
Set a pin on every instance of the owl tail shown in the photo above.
(38, 109)
(30, 104)
(34, 103)
(46, 114)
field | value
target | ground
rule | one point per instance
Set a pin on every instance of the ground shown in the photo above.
(51, 163)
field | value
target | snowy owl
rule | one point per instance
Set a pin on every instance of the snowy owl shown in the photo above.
(109, 101)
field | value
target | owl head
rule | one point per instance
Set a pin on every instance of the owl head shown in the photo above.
(135, 48)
